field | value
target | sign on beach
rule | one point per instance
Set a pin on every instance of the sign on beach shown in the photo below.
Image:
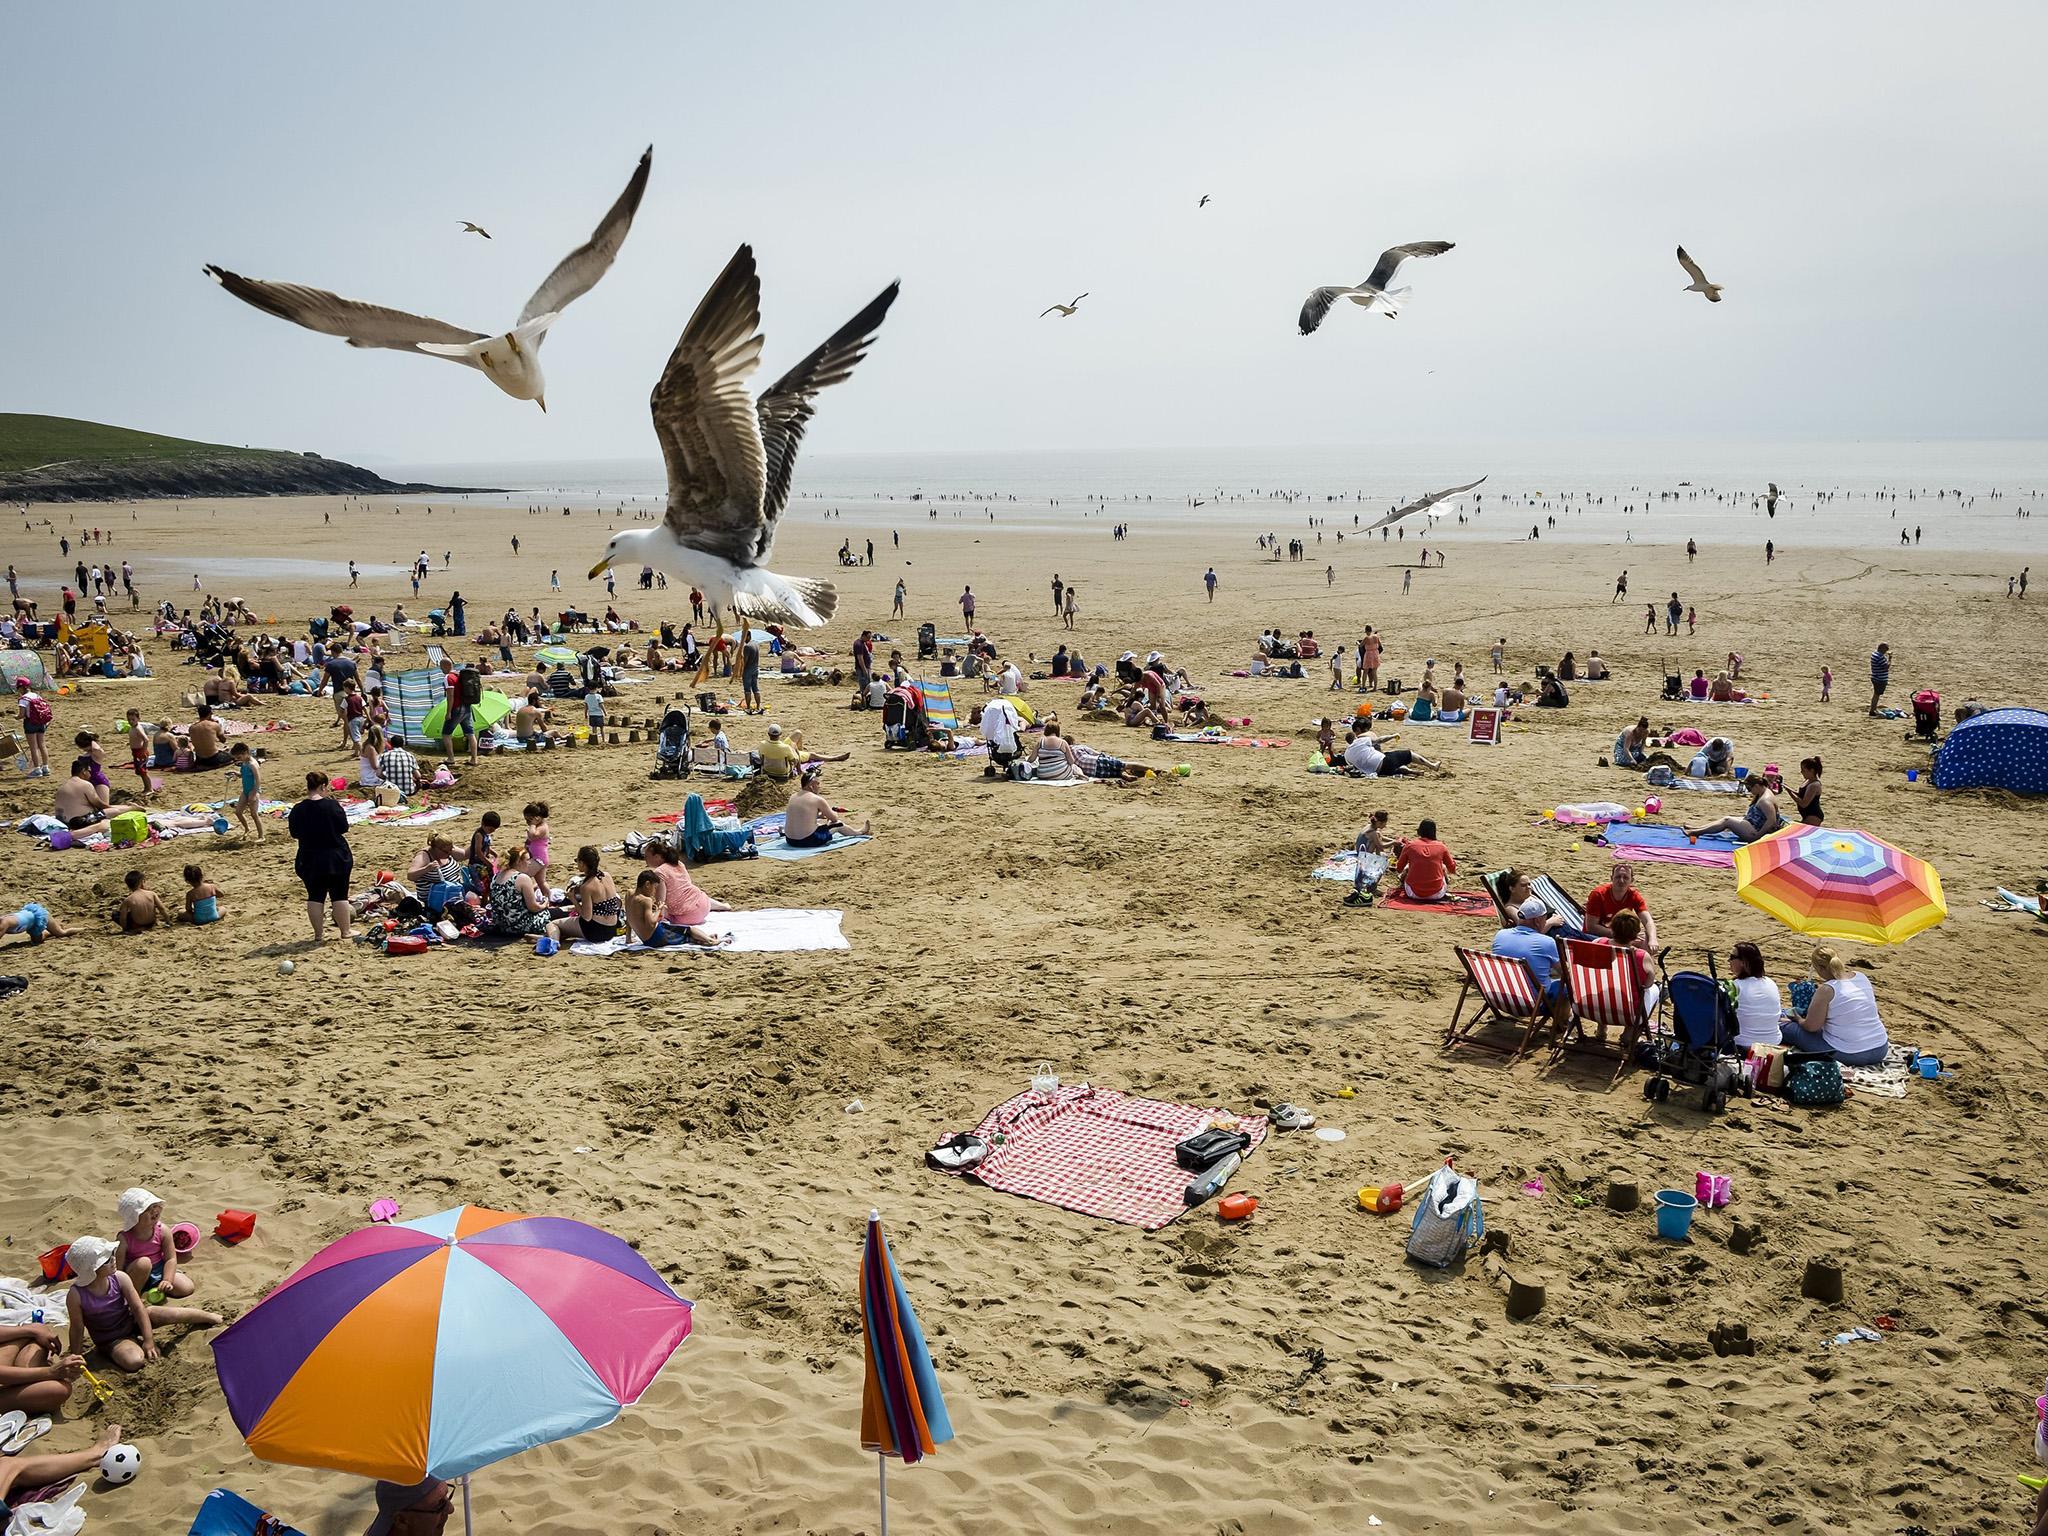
(1485, 727)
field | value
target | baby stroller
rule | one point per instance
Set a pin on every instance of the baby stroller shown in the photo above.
(1700, 1048)
(927, 641)
(672, 745)
(903, 721)
(1927, 714)
(1674, 686)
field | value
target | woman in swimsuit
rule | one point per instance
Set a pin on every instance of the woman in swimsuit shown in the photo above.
(1760, 820)
(600, 913)
(1807, 796)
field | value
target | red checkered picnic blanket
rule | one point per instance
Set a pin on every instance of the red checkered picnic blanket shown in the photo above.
(1097, 1151)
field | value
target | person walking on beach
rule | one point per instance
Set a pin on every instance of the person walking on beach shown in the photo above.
(1673, 612)
(515, 544)
(1827, 682)
(1208, 580)
(324, 863)
(1337, 670)
(1407, 576)
(1072, 607)
(967, 606)
(1692, 551)
(2023, 579)
(1329, 575)
(897, 611)
(1649, 618)
(1880, 675)
(1058, 591)
(1770, 551)
(1620, 587)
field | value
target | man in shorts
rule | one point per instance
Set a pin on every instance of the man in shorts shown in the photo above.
(458, 715)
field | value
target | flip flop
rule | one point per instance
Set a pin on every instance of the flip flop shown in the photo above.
(23, 1437)
(10, 1424)
(1291, 1117)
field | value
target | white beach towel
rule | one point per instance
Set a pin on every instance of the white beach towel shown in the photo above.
(772, 931)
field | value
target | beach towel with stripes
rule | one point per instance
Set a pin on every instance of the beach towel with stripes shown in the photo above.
(1097, 1151)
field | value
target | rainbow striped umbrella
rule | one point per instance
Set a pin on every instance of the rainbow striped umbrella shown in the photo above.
(901, 1411)
(1837, 883)
(430, 1348)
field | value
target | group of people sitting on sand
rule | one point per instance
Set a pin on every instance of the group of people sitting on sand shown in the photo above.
(1713, 757)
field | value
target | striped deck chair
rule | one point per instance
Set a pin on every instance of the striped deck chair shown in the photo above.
(1601, 985)
(938, 705)
(1508, 994)
(1545, 890)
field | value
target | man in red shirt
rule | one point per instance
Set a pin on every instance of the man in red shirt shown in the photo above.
(1619, 895)
(1422, 863)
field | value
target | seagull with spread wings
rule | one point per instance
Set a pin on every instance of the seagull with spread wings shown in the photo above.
(510, 360)
(1699, 283)
(1423, 504)
(474, 229)
(1374, 289)
(730, 457)
(1066, 310)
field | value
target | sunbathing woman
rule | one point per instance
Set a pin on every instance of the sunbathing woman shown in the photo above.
(1516, 887)
(1760, 820)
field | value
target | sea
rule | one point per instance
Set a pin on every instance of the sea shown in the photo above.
(1955, 494)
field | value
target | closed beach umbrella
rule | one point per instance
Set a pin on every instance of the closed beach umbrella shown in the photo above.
(430, 1348)
(902, 1413)
(488, 710)
(556, 656)
(1838, 883)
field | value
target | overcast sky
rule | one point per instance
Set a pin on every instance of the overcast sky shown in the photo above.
(1866, 180)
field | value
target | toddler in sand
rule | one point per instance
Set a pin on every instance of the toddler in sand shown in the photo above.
(141, 908)
(138, 749)
(105, 1307)
(144, 1251)
(536, 814)
(249, 784)
(1827, 683)
(202, 897)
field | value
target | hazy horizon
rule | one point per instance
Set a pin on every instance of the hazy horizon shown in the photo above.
(1853, 177)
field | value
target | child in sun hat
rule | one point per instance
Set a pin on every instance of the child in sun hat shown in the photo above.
(144, 1250)
(105, 1307)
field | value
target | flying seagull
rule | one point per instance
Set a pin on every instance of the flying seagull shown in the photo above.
(729, 458)
(1204, 202)
(1699, 283)
(1423, 505)
(1374, 289)
(510, 360)
(475, 229)
(1066, 310)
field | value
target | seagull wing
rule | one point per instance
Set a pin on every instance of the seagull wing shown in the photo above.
(1077, 299)
(1692, 268)
(1318, 305)
(579, 271)
(475, 229)
(360, 324)
(1392, 257)
(1423, 504)
(710, 437)
(786, 405)
(1048, 310)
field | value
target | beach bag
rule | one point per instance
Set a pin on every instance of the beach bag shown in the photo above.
(1813, 1079)
(1447, 1220)
(1766, 1067)
(1660, 775)
(1801, 993)
(128, 829)
(1023, 768)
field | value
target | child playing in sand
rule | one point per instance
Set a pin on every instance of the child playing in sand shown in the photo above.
(250, 784)
(1827, 683)
(33, 919)
(138, 749)
(202, 897)
(593, 712)
(536, 814)
(144, 1251)
(104, 1305)
(721, 744)
(141, 909)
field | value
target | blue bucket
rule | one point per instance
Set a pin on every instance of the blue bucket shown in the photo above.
(1674, 1214)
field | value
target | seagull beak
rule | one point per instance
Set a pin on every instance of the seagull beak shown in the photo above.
(598, 569)
(541, 401)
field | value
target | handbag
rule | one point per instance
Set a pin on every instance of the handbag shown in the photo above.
(1447, 1220)
(1209, 1145)
(1813, 1079)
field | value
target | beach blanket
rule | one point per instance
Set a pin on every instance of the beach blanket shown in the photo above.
(2013, 901)
(1453, 904)
(423, 818)
(1702, 786)
(772, 930)
(969, 749)
(1096, 1151)
(1216, 739)
(222, 1513)
(1059, 783)
(769, 842)
(1343, 866)
(1655, 843)
(1886, 1080)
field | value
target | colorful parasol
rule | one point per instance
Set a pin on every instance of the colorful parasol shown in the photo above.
(1838, 883)
(901, 1412)
(556, 655)
(430, 1348)
(486, 711)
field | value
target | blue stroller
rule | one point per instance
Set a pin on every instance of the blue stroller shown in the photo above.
(1699, 1050)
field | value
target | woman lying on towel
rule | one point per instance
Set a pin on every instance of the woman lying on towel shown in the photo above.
(1061, 758)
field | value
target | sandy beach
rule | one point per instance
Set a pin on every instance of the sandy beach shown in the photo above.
(1290, 1374)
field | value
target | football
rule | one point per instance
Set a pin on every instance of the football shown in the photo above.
(121, 1464)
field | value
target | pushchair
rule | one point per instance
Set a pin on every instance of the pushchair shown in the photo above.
(1674, 686)
(1927, 714)
(927, 641)
(903, 721)
(1699, 1050)
(672, 745)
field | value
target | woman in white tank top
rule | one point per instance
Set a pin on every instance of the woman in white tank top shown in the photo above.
(1842, 1016)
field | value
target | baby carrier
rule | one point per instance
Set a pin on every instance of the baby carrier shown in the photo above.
(1699, 1050)
(672, 745)
(1926, 714)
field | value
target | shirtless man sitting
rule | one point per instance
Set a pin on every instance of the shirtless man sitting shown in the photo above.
(81, 803)
(809, 821)
(206, 737)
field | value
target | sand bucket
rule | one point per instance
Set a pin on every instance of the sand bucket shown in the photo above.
(1674, 1214)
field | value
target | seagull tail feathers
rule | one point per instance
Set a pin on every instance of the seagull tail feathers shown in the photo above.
(761, 594)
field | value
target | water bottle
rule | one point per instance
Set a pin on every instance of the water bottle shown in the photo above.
(1210, 1181)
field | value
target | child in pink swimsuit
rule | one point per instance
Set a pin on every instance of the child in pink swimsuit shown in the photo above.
(144, 1251)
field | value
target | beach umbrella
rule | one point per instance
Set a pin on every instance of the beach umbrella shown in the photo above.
(1838, 883)
(901, 1411)
(556, 655)
(487, 711)
(430, 1348)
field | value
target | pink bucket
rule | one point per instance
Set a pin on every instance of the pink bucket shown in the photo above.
(1713, 1190)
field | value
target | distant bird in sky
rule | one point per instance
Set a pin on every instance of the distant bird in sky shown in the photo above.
(510, 360)
(475, 229)
(1374, 289)
(1699, 283)
(1066, 310)
(1424, 504)
(1204, 202)
(730, 458)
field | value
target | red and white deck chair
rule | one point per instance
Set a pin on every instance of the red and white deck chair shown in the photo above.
(1604, 989)
(1508, 994)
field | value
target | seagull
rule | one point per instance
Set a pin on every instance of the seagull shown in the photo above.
(1374, 289)
(1699, 283)
(510, 360)
(1066, 310)
(475, 229)
(1423, 505)
(1204, 202)
(729, 458)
